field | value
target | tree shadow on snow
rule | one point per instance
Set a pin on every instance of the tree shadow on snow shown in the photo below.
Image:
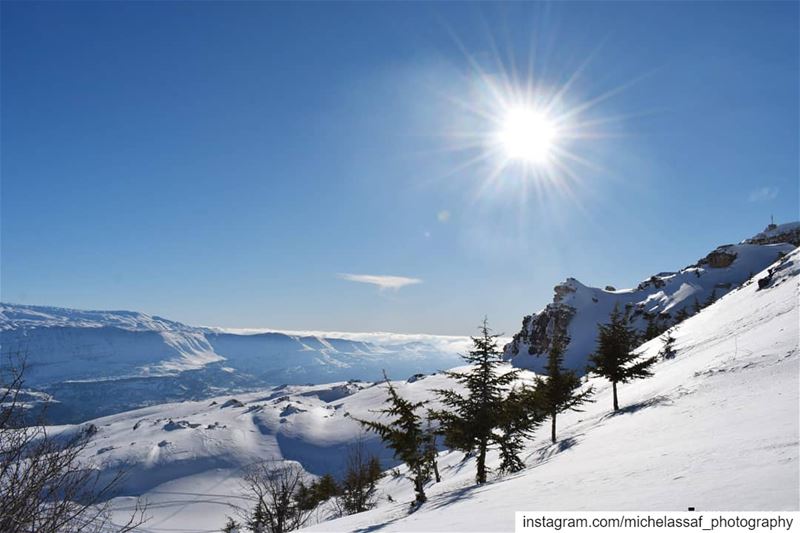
(657, 400)
(545, 453)
(451, 497)
(376, 527)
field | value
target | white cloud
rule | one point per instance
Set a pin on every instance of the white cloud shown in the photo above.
(454, 344)
(763, 194)
(443, 216)
(382, 282)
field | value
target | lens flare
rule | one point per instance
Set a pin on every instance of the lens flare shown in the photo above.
(529, 130)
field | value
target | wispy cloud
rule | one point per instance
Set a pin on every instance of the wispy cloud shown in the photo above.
(382, 282)
(763, 194)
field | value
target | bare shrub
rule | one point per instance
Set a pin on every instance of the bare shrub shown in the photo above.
(44, 485)
(274, 486)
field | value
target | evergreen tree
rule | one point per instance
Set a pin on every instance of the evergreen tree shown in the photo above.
(231, 526)
(259, 519)
(668, 350)
(696, 307)
(654, 327)
(325, 487)
(711, 298)
(358, 486)
(516, 421)
(559, 392)
(304, 497)
(615, 358)
(431, 451)
(486, 415)
(405, 434)
(320, 490)
(681, 315)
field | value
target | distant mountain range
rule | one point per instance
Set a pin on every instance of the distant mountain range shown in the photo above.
(100, 362)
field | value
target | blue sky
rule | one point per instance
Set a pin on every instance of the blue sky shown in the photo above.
(237, 164)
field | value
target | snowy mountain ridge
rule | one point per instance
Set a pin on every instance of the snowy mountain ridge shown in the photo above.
(657, 302)
(18, 316)
(101, 362)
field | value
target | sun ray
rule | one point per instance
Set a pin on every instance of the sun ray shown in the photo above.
(528, 137)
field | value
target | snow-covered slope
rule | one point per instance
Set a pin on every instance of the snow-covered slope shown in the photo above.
(187, 458)
(660, 300)
(101, 362)
(716, 428)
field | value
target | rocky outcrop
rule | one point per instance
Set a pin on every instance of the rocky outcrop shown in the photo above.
(719, 258)
(774, 234)
(539, 329)
(563, 290)
(653, 281)
(655, 304)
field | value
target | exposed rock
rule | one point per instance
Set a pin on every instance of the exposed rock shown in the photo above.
(610, 288)
(337, 392)
(653, 281)
(563, 289)
(291, 409)
(538, 330)
(180, 424)
(719, 258)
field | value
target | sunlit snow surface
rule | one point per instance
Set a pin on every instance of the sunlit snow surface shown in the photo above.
(716, 429)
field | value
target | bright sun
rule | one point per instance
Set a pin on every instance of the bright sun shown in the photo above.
(527, 135)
